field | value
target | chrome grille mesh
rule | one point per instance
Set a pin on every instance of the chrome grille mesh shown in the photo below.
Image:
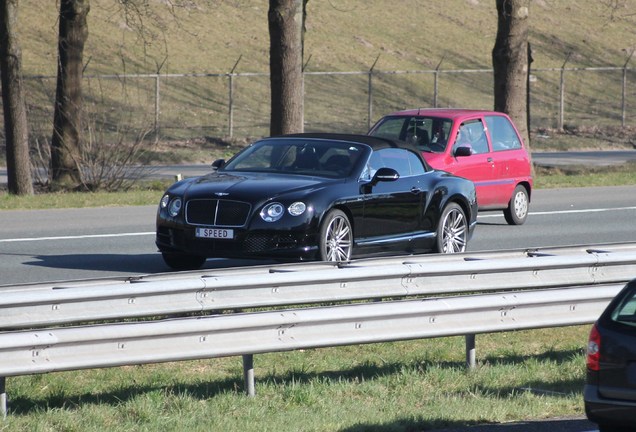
(215, 212)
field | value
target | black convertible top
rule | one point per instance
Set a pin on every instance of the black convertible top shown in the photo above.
(374, 142)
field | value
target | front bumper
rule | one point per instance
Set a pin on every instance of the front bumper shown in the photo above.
(246, 244)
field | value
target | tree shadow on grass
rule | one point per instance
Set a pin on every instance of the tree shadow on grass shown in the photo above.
(363, 372)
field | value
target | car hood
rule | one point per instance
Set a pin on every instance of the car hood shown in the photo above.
(251, 186)
(436, 160)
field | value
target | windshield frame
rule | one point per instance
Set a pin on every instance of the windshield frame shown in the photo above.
(283, 156)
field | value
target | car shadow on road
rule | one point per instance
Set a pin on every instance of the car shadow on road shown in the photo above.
(126, 263)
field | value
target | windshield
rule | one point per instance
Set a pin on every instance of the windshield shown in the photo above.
(316, 157)
(429, 134)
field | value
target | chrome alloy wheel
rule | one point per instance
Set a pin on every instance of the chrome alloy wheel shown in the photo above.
(336, 237)
(453, 230)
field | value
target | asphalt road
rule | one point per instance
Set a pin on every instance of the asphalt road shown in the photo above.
(64, 244)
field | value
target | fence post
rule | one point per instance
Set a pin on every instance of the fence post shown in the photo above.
(370, 101)
(231, 97)
(562, 93)
(470, 351)
(157, 107)
(3, 397)
(248, 374)
(435, 82)
(624, 95)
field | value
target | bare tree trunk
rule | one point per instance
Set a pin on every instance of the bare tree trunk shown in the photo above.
(286, 18)
(510, 63)
(65, 144)
(15, 118)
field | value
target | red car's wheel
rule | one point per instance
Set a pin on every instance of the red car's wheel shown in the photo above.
(517, 210)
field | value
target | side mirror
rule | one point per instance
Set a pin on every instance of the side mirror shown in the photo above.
(463, 151)
(385, 174)
(219, 163)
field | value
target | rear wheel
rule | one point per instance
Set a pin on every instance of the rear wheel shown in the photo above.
(517, 210)
(178, 261)
(336, 237)
(452, 230)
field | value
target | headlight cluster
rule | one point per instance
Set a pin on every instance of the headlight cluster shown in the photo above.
(274, 211)
(173, 205)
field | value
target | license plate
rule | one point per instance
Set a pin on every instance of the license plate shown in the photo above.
(215, 233)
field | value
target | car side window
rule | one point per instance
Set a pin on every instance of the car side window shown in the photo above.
(502, 133)
(403, 161)
(473, 134)
(415, 164)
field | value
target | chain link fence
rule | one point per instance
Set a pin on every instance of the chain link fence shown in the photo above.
(188, 106)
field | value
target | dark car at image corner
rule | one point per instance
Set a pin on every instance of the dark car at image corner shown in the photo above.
(610, 390)
(328, 197)
(482, 146)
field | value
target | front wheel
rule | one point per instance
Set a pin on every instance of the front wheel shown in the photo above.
(517, 210)
(178, 261)
(336, 237)
(452, 230)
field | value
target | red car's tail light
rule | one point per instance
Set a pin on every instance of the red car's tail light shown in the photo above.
(593, 349)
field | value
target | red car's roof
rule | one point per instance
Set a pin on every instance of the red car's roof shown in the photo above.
(452, 113)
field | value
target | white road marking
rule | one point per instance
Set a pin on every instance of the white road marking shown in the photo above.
(29, 239)
(565, 212)
(481, 216)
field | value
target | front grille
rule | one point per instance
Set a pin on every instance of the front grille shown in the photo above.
(214, 212)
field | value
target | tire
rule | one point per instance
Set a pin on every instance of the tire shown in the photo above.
(517, 210)
(452, 230)
(336, 237)
(183, 261)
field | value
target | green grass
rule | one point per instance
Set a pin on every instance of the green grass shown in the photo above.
(579, 176)
(143, 194)
(403, 386)
(149, 193)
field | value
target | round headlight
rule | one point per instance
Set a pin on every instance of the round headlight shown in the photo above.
(175, 207)
(164, 201)
(272, 212)
(297, 208)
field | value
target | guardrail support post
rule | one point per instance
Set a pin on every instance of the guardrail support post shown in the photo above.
(248, 374)
(3, 397)
(470, 351)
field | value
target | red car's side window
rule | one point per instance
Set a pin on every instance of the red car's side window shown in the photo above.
(502, 134)
(473, 134)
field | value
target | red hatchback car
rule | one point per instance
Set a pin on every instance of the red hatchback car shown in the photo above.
(482, 146)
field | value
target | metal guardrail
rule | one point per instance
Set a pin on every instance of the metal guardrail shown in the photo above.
(534, 288)
(106, 345)
(284, 285)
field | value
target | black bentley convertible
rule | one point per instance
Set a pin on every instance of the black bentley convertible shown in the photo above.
(325, 197)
